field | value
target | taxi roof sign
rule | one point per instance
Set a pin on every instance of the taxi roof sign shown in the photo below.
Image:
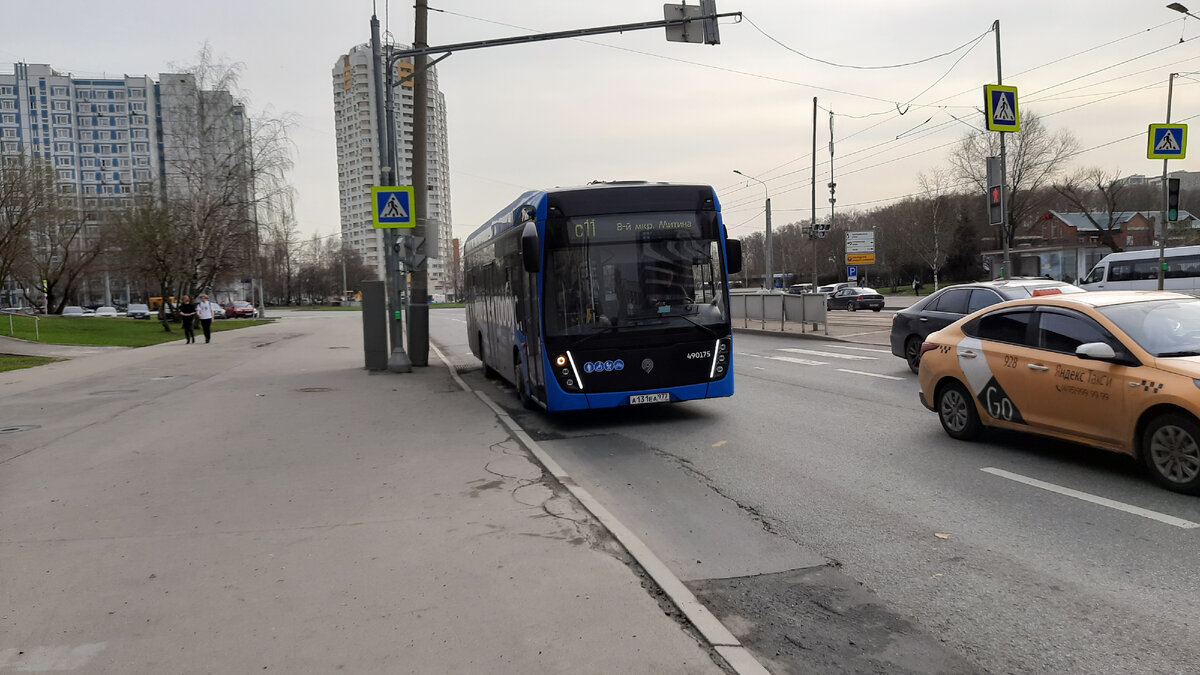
(1166, 141)
(392, 206)
(1000, 103)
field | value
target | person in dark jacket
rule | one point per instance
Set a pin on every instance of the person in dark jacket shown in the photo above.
(187, 312)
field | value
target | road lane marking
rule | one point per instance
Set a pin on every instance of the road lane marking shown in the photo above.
(870, 332)
(789, 359)
(832, 355)
(1102, 501)
(865, 349)
(859, 372)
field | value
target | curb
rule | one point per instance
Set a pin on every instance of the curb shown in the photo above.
(739, 659)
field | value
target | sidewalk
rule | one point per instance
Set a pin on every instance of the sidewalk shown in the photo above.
(326, 519)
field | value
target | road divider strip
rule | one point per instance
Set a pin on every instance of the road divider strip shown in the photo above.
(1102, 501)
(739, 659)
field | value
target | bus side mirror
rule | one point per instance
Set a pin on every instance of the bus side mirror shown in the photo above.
(531, 248)
(733, 255)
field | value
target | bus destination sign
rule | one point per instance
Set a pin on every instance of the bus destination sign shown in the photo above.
(633, 226)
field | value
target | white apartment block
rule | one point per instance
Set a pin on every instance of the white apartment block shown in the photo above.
(101, 135)
(104, 137)
(359, 162)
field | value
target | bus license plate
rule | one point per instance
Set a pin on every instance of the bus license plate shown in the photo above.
(663, 397)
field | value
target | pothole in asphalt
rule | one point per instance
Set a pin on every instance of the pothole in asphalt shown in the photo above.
(314, 390)
(19, 427)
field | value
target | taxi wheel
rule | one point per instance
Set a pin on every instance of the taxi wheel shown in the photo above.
(912, 353)
(956, 411)
(1171, 450)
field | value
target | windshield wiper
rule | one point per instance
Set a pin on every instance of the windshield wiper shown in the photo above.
(694, 322)
(602, 331)
(1185, 352)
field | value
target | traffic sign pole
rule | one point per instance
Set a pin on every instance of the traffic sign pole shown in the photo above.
(1007, 267)
(1162, 237)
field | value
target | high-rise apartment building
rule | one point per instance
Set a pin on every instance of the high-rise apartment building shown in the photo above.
(359, 162)
(112, 139)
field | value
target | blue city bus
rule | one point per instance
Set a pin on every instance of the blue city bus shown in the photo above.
(604, 295)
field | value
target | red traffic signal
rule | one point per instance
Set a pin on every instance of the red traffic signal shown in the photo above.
(994, 195)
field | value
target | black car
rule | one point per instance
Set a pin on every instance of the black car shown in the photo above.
(911, 326)
(853, 298)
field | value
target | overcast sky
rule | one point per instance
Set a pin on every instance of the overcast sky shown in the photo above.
(634, 106)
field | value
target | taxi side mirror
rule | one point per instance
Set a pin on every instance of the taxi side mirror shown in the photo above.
(1098, 351)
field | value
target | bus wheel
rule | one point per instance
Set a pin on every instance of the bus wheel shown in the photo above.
(488, 372)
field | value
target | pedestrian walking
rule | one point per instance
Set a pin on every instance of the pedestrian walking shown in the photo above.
(916, 284)
(204, 310)
(187, 312)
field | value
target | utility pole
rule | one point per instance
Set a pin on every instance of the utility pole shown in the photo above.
(832, 185)
(397, 361)
(812, 231)
(1162, 236)
(768, 277)
(1007, 264)
(418, 306)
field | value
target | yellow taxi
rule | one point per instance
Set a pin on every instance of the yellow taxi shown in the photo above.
(1118, 370)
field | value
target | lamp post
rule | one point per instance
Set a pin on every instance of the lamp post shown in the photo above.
(1162, 239)
(769, 280)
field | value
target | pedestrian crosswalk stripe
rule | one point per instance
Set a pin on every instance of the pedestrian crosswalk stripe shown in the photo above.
(803, 362)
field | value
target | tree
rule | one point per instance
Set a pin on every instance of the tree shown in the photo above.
(151, 247)
(1099, 195)
(1035, 155)
(65, 242)
(928, 221)
(221, 166)
(26, 193)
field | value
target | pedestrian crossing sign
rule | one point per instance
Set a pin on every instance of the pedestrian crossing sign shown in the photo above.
(1001, 104)
(1167, 141)
(393, 206)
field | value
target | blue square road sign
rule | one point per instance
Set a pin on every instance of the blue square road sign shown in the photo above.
(393, 206)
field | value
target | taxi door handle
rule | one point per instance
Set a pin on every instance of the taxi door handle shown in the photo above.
(1038, 366)
(966, 354)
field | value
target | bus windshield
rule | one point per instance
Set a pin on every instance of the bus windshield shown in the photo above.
(617, 271)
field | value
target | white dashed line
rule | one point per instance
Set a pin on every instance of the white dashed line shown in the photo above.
(859, 372)
(1102, 501)
(865, 349)
(832, 355)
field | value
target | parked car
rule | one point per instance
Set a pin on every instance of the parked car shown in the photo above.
(910, 326)
(797, 289)
(240, 308)
(73, 310)
(138, 311)
(218, 312)
(830, 289)
(853, 298)
(107, 312)
(1115, 370)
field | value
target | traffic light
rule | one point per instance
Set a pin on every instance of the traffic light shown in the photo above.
(995, 194)
(1172, 199)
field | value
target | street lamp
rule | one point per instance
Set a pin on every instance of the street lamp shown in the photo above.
(769, 279)
(1181, 9)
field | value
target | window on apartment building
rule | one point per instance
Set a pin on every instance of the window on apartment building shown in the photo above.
(10, 133)
(6, 90)
(137, 93)
(141, 161)
(87, 147)
(89, 190)
(67, 189)
(141, 174)
(66, 174)
(62, 119)
(88, 161)
(140, 133)
(118, 93)
(64, 161)
(62, 105)
(58, 91)
(62, 147)
(137, 106)
(62, 133)
(8, 119)
(8, 104)
(139, 119)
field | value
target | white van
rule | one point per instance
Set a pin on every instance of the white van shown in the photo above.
(1138, 270)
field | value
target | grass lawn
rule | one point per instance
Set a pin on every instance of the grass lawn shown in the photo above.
(17, 362)
(318, 308)
(120, 332)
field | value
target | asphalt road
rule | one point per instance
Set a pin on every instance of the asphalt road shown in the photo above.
(824, 459)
